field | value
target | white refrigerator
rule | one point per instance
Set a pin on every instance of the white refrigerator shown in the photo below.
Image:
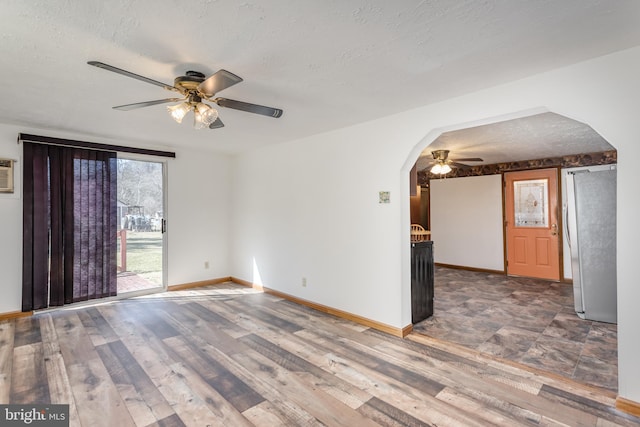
(590, 219)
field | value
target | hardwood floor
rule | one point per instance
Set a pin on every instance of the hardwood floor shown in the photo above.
(230, 356)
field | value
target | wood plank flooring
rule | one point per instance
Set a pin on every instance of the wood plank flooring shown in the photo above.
(227, 355)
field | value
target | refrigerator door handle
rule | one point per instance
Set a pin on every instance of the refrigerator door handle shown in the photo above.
(566, 225)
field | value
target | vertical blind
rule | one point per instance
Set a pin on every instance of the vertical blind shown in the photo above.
(69, 225)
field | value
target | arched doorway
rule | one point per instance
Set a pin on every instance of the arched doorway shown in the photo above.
(468, 207)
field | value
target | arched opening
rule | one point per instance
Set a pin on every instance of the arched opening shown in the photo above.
(521, 319)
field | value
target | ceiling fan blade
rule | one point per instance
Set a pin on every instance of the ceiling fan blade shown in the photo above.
(217, 82)
(250, 108)
(458, 165)
(136, 105)
(469, 159)
(217, 124)
(132, 75)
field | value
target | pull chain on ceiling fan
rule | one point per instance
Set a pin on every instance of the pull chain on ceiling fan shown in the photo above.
(195, 88)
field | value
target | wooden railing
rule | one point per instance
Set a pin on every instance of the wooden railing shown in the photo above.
(122, 235)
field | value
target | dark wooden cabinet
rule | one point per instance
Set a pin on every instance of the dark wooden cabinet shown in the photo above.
(421, 280)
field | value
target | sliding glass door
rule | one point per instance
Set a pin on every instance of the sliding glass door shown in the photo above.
(141, 225)
(93, 222)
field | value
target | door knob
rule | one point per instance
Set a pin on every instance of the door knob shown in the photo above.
(554, 229)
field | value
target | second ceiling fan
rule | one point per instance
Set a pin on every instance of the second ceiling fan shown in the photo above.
(443, 164)
(195, 88)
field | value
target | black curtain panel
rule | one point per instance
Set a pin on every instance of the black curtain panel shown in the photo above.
(60, 224)
(95, 225)
(69, 236)
(35, 247)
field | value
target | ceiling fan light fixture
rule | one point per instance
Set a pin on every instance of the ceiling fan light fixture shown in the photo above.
(195, 87)
(208, 115)
(198, 123)
(179, 111)
(440, 169)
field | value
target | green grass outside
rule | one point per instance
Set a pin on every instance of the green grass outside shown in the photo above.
(144, 254)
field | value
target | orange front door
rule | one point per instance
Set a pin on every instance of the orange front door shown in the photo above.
(531, 208)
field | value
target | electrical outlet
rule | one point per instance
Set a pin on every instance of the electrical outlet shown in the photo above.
(304, 282)
(206, 264)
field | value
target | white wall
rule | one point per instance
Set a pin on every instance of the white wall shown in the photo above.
(11, 228)
(466, 221)
(197, 216)
(310, 207)
(198, 220)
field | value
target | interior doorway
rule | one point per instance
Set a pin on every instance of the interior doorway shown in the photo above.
(469, 316)
(141, 226)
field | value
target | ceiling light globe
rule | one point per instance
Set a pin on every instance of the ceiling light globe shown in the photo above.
(209, 115)
(198, 123)
(436, 169)
(445, 169)
(179, 111)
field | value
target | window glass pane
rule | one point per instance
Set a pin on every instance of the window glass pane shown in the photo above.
(531, 199)
(140, 237)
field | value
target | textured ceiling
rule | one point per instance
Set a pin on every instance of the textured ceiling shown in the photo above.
(538, 136)
(328, 64)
